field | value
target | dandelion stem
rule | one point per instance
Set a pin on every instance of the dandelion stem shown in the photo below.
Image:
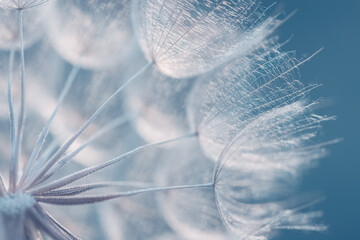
(66, 146)
(45, 131)
(18, 229)
(14, 160)
(94, 199)
(87, 171)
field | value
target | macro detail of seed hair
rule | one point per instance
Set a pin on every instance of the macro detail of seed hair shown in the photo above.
(153, 119)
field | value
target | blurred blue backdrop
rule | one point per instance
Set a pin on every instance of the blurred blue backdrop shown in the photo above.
(334, 25)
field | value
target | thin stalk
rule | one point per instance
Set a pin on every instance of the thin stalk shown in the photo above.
(46, 216)
(45, 131)
(14, 160)
(72, 191)
(219, 161)
(11, 111)
(66, 146)
(61, 162)
(47, 226)
(2, 187)
(87, 171)
(10, 102)
(42, 159)
(94, 199)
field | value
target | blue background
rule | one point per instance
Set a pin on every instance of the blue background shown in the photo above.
(334, 25)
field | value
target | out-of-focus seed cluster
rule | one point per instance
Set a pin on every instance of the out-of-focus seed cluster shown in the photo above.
(185, 119)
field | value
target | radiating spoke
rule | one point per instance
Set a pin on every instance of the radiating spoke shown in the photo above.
(45, 131)
(14, 159)
(66, 146)
(87, 171)
(93, 199)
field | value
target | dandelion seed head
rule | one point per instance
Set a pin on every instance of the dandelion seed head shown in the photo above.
(16, 203)
(229, 124)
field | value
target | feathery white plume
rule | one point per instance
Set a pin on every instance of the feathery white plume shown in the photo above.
(226, 101)
(187, 38)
